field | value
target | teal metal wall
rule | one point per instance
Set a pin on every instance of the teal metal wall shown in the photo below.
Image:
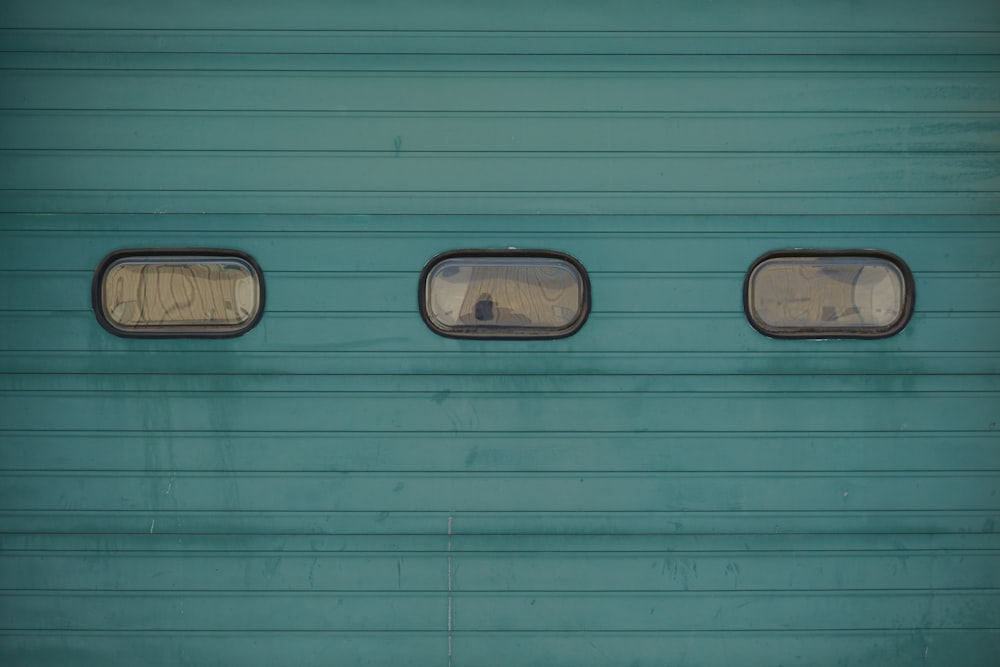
(340, 485)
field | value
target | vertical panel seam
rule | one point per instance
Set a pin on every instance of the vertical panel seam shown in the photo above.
(450, 518)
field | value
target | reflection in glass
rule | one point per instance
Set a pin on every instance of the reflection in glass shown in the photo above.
(513, 296)
(826, 295)
(180, 294)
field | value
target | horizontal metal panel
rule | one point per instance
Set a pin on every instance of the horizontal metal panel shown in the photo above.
(394, 292)
(610, 251)
(733, 611)
(114, 60)
(506, 492)
(647, 42)
(502, 172)
(751, 649)
(504, 92)
(560, 15)
(488, 41)
(494, 132)
(539, 386)
(461, 543)
(823, 225)
(385, 202)
(864, 524)
(525, 412)
(250, 649)
(539, 572)
(477, 611)
(722, 572)
(265, 612)
(605, 333)
(241, 571)
(165, 451)
(934, 648)
(778, 359)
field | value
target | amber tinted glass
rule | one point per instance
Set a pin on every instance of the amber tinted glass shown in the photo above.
(828, 296)
(504, 296)
(180, 295)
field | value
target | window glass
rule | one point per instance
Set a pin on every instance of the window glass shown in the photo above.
(824, 294)
(169, 294)
(513, 294)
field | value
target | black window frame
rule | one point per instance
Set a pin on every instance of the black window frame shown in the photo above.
(490, 333)
(167, 253)
(866, 333)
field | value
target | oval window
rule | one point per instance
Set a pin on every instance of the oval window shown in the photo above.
(504, 294)
(829, 294)
(183, 293)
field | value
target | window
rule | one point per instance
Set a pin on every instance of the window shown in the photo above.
(178, 293)
(829, 294)
(504, 294)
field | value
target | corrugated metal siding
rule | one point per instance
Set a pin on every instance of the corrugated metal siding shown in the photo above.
(340, 484)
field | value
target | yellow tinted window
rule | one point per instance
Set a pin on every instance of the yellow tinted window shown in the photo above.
(179, 295)
(504, 296)
(828, 295)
